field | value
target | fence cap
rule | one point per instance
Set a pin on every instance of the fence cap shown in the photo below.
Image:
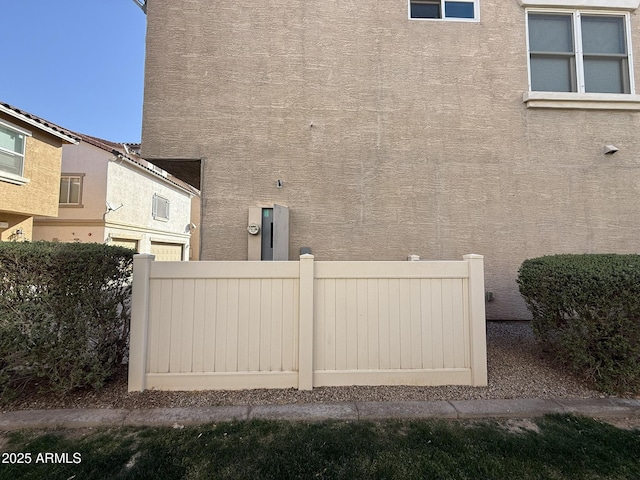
(144, 256)
(471, 256)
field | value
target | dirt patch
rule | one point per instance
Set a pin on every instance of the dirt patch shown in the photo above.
(626, 423)
(520, 426)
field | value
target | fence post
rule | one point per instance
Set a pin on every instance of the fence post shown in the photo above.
(139, 321)
(477, 320)
(305, 328)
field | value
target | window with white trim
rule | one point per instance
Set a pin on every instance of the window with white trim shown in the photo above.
(12, 148)
(160, 207)
(71, 190)
(579, 51)
(444, 9)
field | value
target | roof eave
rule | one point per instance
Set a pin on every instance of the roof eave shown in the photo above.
(65, 137)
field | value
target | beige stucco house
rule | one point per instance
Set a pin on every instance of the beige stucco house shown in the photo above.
(392, 128)
(30, 157)
(108, 194)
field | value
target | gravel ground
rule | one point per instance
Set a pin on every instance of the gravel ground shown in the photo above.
(517, 369)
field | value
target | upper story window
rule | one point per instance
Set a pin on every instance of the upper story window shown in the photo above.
(444, 9)
(12, 149)
(160, 208)
(71, 190)
(576, 51)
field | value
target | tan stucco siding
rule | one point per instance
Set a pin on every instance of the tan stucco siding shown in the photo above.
(19, 227)
(42, 164)
(392, 137)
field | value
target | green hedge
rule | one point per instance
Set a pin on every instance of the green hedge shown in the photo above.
(586, 309)
(64, 314)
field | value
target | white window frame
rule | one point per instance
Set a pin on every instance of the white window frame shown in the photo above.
(576, 15)
(80, 177)
(8, 176)
(154, 208)
(443, 18)
(629, 5)
(580, 98)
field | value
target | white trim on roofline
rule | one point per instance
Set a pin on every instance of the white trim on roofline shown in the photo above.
(147, 170)
(40, 126)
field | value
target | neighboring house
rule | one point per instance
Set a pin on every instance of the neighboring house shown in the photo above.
(30, 156)
(107, 193)
(399, 127)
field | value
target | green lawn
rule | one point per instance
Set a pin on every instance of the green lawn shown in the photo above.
(553, 447)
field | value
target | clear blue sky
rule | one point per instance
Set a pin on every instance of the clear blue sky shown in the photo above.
(76, 63)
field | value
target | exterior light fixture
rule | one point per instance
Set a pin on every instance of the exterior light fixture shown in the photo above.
(610, 149)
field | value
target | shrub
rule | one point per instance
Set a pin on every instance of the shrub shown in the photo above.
(586, 309)
(64, 314)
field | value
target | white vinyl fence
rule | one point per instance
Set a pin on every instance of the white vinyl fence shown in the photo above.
(300, 324)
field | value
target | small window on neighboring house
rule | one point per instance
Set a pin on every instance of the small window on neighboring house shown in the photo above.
(579, 52)
(71, 190)
(444, 9)
(12, 149)
(160, 208)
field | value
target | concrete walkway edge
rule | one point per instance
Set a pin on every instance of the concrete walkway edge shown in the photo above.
(348, 411)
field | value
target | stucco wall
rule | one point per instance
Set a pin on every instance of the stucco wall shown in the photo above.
(42, 167)
(196, 206)
(91, 162)
(19, 228)
(134, 190)
(392, 137)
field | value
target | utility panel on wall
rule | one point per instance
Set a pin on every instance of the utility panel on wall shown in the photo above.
(268, 233)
